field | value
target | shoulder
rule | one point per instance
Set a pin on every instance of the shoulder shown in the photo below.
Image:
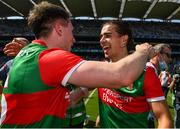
(57, 54)
(151, 67)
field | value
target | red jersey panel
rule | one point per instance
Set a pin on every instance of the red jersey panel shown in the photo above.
(54, 65)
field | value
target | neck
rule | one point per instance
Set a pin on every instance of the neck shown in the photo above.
(119, 57)
(155, 62)
(50, 42)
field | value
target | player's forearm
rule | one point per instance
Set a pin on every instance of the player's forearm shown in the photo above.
(133, 66)
(136, 62)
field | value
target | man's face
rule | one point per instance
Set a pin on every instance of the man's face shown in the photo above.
(68, 37)
(110, 41)
(166, 55)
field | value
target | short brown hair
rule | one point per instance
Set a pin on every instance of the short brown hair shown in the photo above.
(42, 17)
(159, 48)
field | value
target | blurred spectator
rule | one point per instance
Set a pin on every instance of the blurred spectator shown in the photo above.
(159, 63)
(175, 88)
(11, 49)
(165, 79)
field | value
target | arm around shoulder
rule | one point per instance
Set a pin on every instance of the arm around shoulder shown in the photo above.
(112, 75)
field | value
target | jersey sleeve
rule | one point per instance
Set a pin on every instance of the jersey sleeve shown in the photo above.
(152, 86)
(56, 66)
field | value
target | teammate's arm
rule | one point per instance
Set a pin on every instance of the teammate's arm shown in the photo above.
(124, 72)
(162, 114)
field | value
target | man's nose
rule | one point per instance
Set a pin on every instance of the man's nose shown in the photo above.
(102, 40)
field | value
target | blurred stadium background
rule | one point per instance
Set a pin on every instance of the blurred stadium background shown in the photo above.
(152, 21)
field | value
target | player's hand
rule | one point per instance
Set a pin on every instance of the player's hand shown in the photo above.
(13, 48)
(146, 49)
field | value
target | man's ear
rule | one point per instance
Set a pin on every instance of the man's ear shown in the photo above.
(124, 40)
(159, 56)
(58, 28)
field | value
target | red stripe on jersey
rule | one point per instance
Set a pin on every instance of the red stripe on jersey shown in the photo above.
(39, 42)
(29, 108)
(123, 102)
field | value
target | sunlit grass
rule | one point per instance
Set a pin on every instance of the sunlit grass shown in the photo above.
(92, 109)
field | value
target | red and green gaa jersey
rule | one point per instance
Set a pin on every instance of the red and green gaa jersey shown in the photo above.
(34, 95)
(129, 108)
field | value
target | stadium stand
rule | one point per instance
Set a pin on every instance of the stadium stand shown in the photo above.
(87, 36)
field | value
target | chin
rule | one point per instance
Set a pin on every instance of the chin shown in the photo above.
(106, 56)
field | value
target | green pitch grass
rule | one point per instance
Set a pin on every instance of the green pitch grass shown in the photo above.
(92, 109)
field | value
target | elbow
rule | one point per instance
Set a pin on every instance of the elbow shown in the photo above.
(119, 78)
(125, 83)
(126, 79)
(120, 82)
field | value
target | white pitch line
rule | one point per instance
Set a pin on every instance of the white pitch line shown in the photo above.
(87, 100)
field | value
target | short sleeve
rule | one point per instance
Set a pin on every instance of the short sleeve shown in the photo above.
(56, 66)
(152, 86)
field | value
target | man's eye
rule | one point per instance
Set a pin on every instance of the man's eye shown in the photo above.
(108, 36)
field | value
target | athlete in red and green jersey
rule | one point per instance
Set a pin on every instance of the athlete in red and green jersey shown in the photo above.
(128, 108)
(43, 100)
